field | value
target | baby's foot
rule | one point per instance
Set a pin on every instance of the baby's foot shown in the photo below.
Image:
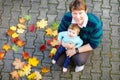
(53, 61)
(64, 69)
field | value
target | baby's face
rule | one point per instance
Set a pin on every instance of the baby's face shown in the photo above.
(72, 33)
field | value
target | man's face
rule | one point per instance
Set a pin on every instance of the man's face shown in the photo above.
(72, 33)
(79, 16)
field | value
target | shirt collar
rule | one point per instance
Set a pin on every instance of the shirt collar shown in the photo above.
(85, 22)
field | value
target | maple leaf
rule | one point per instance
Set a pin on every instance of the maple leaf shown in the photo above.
(38, 75)
(45, 70)
(25, 55)
(42, 47)
(31, 76)
(14, 40)
(49, 42)
(14, 35)
(21, 26)
(27, 17)
(32, 28)
(20, 30)
(22, 20)
(49, 31)
(41, 24)
(21, 73)
(54, 43)
(27, 69)
(18, 63)
(13, 28)
(55, 33)
(52, 52)
(1, 55)
(15, 47)
(55, 25)
(6, 47)
(10, 32)
(20, 43)
(14, 75)
(33, 61)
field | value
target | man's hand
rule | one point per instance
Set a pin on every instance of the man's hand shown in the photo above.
(70, 52)
(68, 45)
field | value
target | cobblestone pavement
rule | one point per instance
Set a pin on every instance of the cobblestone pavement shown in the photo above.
(104, 62)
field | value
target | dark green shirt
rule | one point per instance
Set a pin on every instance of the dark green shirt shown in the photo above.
(91, 34)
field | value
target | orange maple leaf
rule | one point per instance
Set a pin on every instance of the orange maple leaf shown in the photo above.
(22, 20)
(1, 55)
(20, 43)
(45, 70)
(10, 32)
(54, 43)
(14, 75)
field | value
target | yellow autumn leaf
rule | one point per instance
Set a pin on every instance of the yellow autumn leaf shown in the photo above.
(38, 75)
(54, 43)
(6, 47)
(55, 33)
(49, 32)
(45, 70)
(21, 26)
(53, 51)
(33, 61)
(13, 28)
(31, 76)
(21, 73)
(27, 69)
(14, 35)
(41, 24)
(19, 30)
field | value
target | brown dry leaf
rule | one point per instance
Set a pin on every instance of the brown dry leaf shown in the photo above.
(14, 75)
(18, 63)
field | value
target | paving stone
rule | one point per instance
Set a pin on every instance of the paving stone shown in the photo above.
(56, 75)
(24, 11)
(115, 77)
(46, 58)
(106, 13)
(106, 48)
(105, 74)
(52, 9)
(34, 7)
(43, 13)
(26, 3)
(114, 1)
(96, 66)
(106, 36)
(106, 24)
(60, 15)
(115, 41)
(89, 3)
(115, 31)
(44, 4)
(115, 55)
(30, 42)
(34, 18)
(46, 78)
(61, 4)
(3, 36)
(96, 76)
(40, 37)
(53, 1)
(6, 12)
(75, 76)
(114, 19)
(97, 7)
(106, 4)
(105, 61)
(8, 2)
(51, 19)
(7, 66)
(16, 5)
(115, 68)
(5, 22)
(114, 8)
(14, 17)
(5, 76)
(9, 55)
(96, 54)
(86, 72)
(30, 51)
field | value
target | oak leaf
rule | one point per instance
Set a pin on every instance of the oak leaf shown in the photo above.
(25, 55)
(14, 40)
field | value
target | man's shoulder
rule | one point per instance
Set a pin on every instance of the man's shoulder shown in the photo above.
(68, 16)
